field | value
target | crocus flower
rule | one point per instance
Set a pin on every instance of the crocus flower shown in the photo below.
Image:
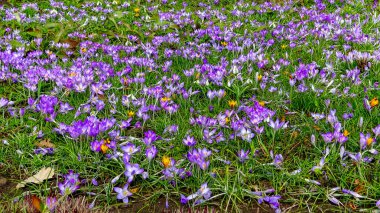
(123, 193)
(132, 170)
(151, 152)
(366, 104)
(130, 149)
(51, 203)
(243, 155)
(203, 194)
(44, 151)
(276, 125)
(3, 102)
(189, 141)
(150, 137)
(356, 195)
(70, 184)
(366, 140)
(376, 131)
(272, 201)
(246, 134)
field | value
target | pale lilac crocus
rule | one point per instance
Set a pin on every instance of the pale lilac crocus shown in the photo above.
(123, 193)
(151, 152)
(246, 134)
(189, 141)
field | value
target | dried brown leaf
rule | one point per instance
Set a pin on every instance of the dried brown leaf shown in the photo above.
(45, 144)
(43, 174)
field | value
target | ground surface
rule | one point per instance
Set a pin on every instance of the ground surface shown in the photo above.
(168, 106)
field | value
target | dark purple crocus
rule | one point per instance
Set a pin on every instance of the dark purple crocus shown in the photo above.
(70, 184)
(150, 137)
(44, 151)
(272, 201)
(46, 104)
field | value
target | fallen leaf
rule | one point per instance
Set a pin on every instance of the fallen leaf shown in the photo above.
(73, 43)
(36, 203)
(45, 144)
(352, 206)
(43, 174)
(135, 190)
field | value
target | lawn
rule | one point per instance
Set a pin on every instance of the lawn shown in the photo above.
(164, 106)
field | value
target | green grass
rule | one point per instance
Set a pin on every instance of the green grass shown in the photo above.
(228, 182)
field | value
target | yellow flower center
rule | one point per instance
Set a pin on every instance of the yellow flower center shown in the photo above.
(283, 46)
(345, 133)
(224, 43)
(83, 50)
(262, 103)
(134, 190)
(136, 10)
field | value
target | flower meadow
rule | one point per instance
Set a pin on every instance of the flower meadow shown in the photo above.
(205, 103)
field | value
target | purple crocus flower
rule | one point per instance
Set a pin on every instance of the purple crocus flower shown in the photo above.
(366, 140)
(44, 151)
(171, 129)
(203, 194)
(376, 131)
(328, 137)
(65, 107)
(272, 201)
(130, 149)
(51, 203)
(96, 145)
(46, 104)
(246, 134)
(189, 141)
(3, 102)
(132, 170)
(123, 193)
(243, 155)
(70, 184)
(94, 182)
(356, 195)
(151, 152)
(150, 137)
(278, 159)
(198, 156)
(366, 104)
(276, 125)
